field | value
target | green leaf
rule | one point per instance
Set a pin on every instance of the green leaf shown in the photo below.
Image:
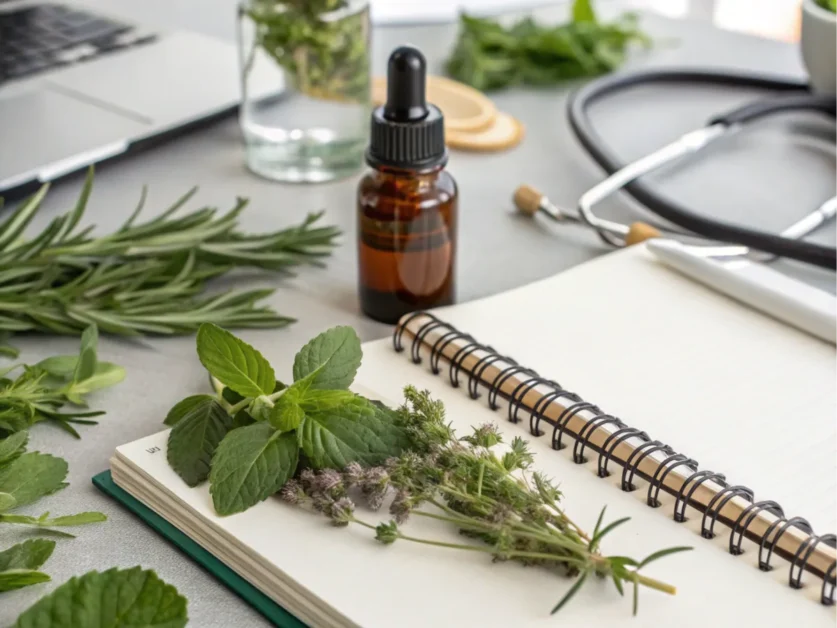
(573, 590)
(12, 447)
(19, 578)
(233, 362)
(332, 359)
(86, 365)
(105, 374)
(251, 464)
(356, 431)
(594, 542)
(30, 554)
(599, 521)
(184, 406)
(80, 519)
(32, 476)
(617, 582)
(315, 401)
(583, 11)
(194, 439)
(286, 414)
(7, 502)
(242, 419)
(636, 594)
(117, 598)
(657, 555)
(61, 366)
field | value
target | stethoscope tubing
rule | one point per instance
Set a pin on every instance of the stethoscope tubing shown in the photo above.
(667, 208)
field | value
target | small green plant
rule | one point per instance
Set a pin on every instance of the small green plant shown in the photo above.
(43, 389)
(321, 44)
(489, 56)
(831, 5)
(116, 598)
(251, 436)
(515, 513)
(26, 477)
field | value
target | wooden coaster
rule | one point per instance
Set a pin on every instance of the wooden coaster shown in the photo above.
(465, 109)
(504, 133)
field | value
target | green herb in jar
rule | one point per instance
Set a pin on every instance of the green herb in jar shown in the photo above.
(321, 44)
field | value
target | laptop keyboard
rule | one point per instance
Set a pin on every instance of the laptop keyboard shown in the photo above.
(36, 38)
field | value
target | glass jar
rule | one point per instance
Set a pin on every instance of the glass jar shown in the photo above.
(306, 91)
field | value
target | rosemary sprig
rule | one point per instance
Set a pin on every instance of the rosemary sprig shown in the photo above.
(144, 278)
(496, 500)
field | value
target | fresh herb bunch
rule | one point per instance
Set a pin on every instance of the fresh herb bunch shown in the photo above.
(489, 56)
(250, 438)
(42, 389)
(146, 278)
(135, 596)
(321, 44)
(495, 499)
(26, 477)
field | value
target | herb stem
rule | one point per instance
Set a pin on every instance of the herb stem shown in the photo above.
(239, 406)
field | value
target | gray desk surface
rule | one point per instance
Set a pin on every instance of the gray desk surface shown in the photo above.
(749, 181)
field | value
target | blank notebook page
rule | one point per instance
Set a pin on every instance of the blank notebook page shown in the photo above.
(742, 394)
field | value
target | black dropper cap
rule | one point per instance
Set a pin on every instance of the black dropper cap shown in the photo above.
(407, 132)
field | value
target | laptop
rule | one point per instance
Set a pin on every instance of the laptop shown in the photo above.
(79, 85)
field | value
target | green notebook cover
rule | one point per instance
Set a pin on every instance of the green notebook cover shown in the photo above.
(274, 613)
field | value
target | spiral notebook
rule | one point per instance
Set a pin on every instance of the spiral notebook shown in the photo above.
(678, 374)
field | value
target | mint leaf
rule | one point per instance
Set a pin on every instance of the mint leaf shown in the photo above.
(287, 414)
(27, 555)
(7, 502)
(325, 400)
(194, 438)
(33, 476)
(117, 598)
(233, 362)
(356, 431)
(80, 519)
(184, 406)
(332, 358)
(12, 447)
(250, 465)
(19, 578)
(105, 374)
(86, 365)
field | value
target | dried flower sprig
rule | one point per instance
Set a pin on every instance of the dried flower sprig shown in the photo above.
(494, 499)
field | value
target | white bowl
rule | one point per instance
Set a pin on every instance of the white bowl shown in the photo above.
(819, 46)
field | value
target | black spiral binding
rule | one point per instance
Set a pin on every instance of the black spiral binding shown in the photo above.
(573, 404)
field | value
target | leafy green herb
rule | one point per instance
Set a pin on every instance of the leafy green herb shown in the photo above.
(135, 597)
(41, 390)
(144, 278)
(831, 5)
(19, 564)
(195, 437)
(321, 44)
(27, 477)
(489, 56)
(247, 438)
(251, 464)
(499, 501)
(234, 363)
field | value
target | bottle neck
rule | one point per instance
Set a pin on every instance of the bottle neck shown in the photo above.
(428, 174)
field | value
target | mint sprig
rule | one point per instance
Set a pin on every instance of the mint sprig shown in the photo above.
(247, 439)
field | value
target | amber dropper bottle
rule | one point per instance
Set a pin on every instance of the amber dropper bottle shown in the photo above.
(407, 203)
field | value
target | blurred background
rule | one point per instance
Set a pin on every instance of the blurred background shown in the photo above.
(777, 19)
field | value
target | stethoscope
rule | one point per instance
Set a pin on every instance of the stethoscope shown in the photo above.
(735, 240)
